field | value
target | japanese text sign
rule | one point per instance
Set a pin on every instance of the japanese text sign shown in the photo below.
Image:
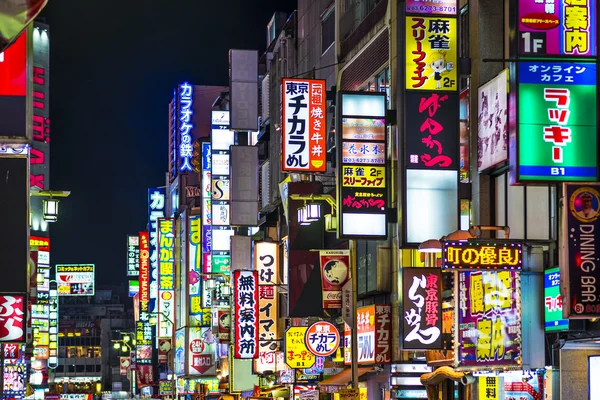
(166, 276)
(489, 388)
(201, 349)
(75, 279)
(362, 162)
(297, 354)
(268, 334)
(245, 297)
(557, 27)
(335, 270)
(484, 254)
(580, 266)
(266, 262)
(322, 338)
(303, 116)
(195, 265)
(553, 303)
(422, 308)
(431, 53)
(12, 318)
(556, 139)
(133, 255)
(374, 328)
(445, 7)
(186, 102)
(156, 210)
(489, 319)
(432, 130)
(144, 271)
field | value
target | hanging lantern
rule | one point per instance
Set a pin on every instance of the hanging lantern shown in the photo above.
(50, 209)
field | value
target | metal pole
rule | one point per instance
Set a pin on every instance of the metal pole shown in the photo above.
(2, 371)
(354, 326)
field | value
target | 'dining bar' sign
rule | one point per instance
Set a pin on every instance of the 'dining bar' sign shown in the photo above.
(483, 254)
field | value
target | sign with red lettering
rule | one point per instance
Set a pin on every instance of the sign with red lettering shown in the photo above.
(12, 318)
(201, 348)
(422, 308)
(432, 130)
(303, 116)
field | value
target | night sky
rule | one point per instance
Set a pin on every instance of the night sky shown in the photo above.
(113, 67)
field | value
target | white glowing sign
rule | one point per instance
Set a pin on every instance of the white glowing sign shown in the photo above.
(185, 117)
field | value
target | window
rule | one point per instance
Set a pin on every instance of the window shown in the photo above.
(327, 30)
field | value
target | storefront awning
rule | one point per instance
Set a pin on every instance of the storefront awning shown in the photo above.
(343, 378)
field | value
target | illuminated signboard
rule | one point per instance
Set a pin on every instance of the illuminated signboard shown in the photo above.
(422, 308)
(304, 113)
(186, 101)
(133, 255)
(268, 333)
(266, 262)
(12, 325)
(156, 210)
(430, 7)
(322, 338)
(431, 53)
(53, 329)
(14, 75)
(557, 27)
(553, 303)
(556, 139)
(15, 380)
(489, 320)
(195, 265)
(580, 263)
(42, 243)
(201, 349)
(484, 254)
(75, 279)
(296, 352)
(492, 122)
(363, 198)
(245, 298)
(166, 276)
(374, 326)
(144, 276)
(431, 130)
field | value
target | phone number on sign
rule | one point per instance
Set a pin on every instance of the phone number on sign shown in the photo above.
(446, 9)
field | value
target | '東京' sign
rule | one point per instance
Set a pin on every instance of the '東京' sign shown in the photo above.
(483, 254)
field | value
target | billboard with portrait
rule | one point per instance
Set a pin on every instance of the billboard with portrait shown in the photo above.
(492, 122)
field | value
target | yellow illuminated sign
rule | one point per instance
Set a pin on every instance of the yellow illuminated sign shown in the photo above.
(475, 255)
(297, 354)
(431, 53)
(363, 176)
(489, 388)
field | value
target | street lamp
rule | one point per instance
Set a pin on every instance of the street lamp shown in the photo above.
(311, 211)
(50, 202)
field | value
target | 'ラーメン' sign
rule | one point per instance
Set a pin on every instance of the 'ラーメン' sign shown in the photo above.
(482, 254)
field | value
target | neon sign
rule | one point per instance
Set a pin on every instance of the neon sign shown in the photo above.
(185, 117)
(483, 255)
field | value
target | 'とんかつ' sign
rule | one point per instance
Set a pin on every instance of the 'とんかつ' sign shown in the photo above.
(297, 354)
(556, 139)
(303, 122)
(322, 338)
(489, 319)
(473, 255)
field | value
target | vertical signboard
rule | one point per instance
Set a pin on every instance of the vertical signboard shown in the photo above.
(195, 265)
(374, 326)
(53, 327)
(206, 209)
(244, 186)
(362, 182)
(553, 302)
(133, 255)
(489, 320)
(335, 270)
(201, 351)
(243, 82)
(431, 53)
(556, 139)
(266, 265)
(14, 318)
(39, 156)
(422, 308)
(166, 276)
(14, 214)
(245, 297)
(156, 210)
(14, 72)
(557, 28)
(492, 122)
(581, 275)
(304, 120)
(144, 275)
(221, 140)
(186, 111)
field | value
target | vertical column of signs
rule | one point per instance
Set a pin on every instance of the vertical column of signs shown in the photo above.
(144, 331)
(303, 116)
(362, 198)
(556, 96)
(133, 255)
(246, 313)
(221, 139)
(166, 277)
(431, 124)
(195, 306)
(53, 327)
(156, 210)
(206, 221)
(266, 264)
(41, 309)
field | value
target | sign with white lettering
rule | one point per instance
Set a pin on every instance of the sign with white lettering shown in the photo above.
(581, 205)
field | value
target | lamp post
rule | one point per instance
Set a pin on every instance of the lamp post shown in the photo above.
(50, 202)
(126, 345)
